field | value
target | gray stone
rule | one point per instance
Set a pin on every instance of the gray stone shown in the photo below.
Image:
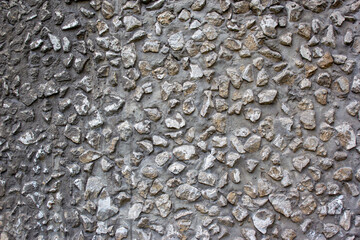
(267, 96)
(281, 204)
(187, 192)
(131, 23)
(184, 152)
(176, 41)
(262, 219)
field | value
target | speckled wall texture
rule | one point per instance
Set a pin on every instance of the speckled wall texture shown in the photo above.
(179, 120)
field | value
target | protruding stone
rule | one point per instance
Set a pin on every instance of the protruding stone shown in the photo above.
(131, 23)
(343, 174)
(187, 192)
(346, 135)
(176, 41)
(263, 219)
(281, 204)
(184, 152)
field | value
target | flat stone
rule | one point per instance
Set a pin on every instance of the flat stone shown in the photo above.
(176, 122)
(165, 18)
(316, 6)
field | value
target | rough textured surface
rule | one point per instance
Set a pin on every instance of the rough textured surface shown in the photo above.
(199, 119)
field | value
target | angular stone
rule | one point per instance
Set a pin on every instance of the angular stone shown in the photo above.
(131, 23)
(252, 144)
(239, 213)
(325, 61)
(343, 174)
(151, 46)
(163, 204)
(267, 96)
(307, 118)
(207, 178)
(316, 6)
(294, 11)
(346, 135)
(330, 230)
(276, 173)
(263, 219)
(187, 192)
(214, 18)
(329, 38)
(184, 152)
(176, 123)
(73, 133)
(89, 156)
(308, 206)
(105, 208)
(341, 86)
(300, 162)
(165, 18)
(304, 30)
(305, 52)
(198, 5)
(162, 158)
(128, 55)
(281, 204)
(176, 41)
(176, 168)
(268, 26)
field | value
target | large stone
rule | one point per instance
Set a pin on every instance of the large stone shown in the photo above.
(176, 122)
(105, 208)
(307, 118)
(263, 219)
(207, 178)
(316, 6)
(300, 162)
(343, 174)
(187, 192)
(252, 144)
(163, 204)
(128, 55)
(267, 96)
(268, 25)
(240, 213)
(184, 152)
(281, 204)
(346, 135)
(176, 41)
(89, 156)
(308, 206)
(131, 23)
(330, 230)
